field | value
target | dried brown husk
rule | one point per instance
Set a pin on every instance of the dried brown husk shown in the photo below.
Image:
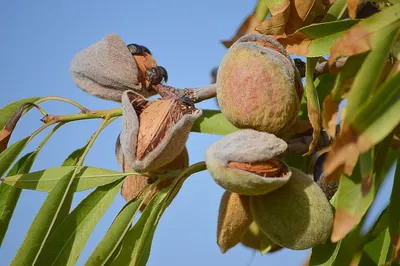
(153, 135)
(233, 220)
(133, 184)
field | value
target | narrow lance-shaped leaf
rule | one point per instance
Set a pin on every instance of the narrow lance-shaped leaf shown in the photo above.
(352, 204)
(38, 232)
(324, 254)
(213, 122)
(71, 160)
(8, 156)
(9, 195)
(378, 251)
(317, 39)
(46, 180)
(394, 214)
(103, 253)
(366, 34)
(336, 11)
(8, 111)
(372, 123)
(313, 109)
(67, 241)
(137, 237)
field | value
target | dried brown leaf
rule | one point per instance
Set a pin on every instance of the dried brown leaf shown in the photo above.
(352, 7)
(357, 40)
(343, 224)
(330, 109)
(277, 23)
(5, 133)
(345, 151)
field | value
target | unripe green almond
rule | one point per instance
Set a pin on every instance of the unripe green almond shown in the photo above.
(258, 85)
(236, 161)
(296, 216)
(233, 219)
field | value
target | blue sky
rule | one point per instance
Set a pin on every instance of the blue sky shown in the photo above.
(38, 41)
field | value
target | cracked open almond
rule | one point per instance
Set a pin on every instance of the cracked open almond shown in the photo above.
(154, 134)
(247, 162)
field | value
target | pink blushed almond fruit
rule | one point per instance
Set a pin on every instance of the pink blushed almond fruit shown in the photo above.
(259, 86)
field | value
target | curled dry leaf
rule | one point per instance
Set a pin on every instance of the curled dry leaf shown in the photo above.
(133, 184)
(233, 220)
(363, 36)
(246, 162)
(154, 134)
(288, 16)
(248, 26)
(352, 7)
(107, 68)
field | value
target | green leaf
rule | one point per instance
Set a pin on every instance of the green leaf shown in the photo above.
(348, 248)
(65, 244)
(378, 251)
(42, 224)
(104, 251)
(353, 197)
(324, 254)
(45, 180)
(8, 156)
(336, 11)
(313, 108)
(9, 195)
(394, 214)
(380, 115)
(74, 157)
(365, 83)
(72, 160)
(8, 111)
(135, 245)
(213, 122)
(317, 39)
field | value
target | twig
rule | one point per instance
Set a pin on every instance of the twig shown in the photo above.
(195, 94)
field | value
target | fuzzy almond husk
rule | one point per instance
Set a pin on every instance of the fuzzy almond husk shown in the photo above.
(233, 220)
(156, 135)
(295, 216)
(246, 162)
(259, 86)
(133, 184)
(107, 68)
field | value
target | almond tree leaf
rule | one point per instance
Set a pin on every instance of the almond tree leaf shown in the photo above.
(140, 235)
(8, 156)
(316, 40)
(71, 160)
(378, 251)
(330, 109)
(352, 204)
(352, 6)
(8, 111)
(368, 120)
(65, 244)
(38, 232)
(9, 195)
(46, 180)
(288, 16)
(364, 36)
(213, 122)
(393, 210)
(249, 25)
(348, 248)
(324, 254)
(113, 238)
(336, 11)
(9, 127)
(313, 109)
